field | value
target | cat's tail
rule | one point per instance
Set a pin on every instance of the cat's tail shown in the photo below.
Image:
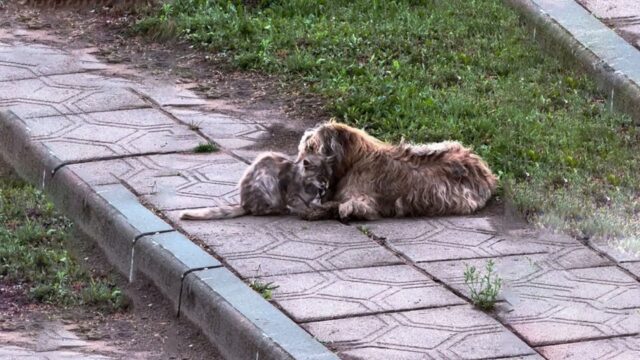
(214, 213)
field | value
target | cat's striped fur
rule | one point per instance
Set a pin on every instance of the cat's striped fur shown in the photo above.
(273, 185)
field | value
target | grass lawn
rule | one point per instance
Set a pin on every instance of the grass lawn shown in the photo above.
(433, 70)
(33, 256)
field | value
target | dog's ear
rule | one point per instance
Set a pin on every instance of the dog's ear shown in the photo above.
(336, 145)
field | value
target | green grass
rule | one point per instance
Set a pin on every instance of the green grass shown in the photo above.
(435, 70)
(205, 148)
(33, 254)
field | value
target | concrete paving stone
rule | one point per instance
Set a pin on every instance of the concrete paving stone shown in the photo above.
(262, 246)
(633, 267)
(588, 30)
(44, 97)
(114, 133)
(437, 239)
(172, 181)
(621, 348)
(230, 132)
(9, 72)
(165, 94)
(12, 352)
(614, 250)
(613, 9)
(631, 33)
(513, 268)
(554, 306)
(458, 332)
(44, 60)
(330, 294)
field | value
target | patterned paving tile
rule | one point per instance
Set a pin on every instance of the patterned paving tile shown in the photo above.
(615, 348)
(231, 132)
(50, 96)
(23, 61)
(263, 246)
(172, 181)
(458, 332)
(555, 306)
(633, 267)
(105, 134)
(512, 268)
(331, 294)
(615, 250)
(437, 239)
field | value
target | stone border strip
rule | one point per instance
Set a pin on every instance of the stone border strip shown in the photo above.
(567, 28)
(235, 318)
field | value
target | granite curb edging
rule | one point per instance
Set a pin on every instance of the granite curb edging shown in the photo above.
(567, 28)
(135, 241)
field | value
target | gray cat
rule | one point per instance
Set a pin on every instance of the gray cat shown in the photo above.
(274, 185)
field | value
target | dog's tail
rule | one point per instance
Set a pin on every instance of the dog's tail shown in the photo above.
(214, 213)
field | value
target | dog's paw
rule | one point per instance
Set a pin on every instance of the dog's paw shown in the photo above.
(345, 210)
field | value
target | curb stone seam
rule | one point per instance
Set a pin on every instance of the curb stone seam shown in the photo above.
(183, 276)
(133, 247)
(106, 214)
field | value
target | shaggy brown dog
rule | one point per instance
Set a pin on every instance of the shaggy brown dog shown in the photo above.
(375, 179)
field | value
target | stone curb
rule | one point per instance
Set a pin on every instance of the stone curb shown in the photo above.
(235, 318)
(566, 28)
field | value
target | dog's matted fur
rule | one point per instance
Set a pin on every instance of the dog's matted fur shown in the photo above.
(376, 179)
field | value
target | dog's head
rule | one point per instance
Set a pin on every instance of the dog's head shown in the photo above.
(324, 140)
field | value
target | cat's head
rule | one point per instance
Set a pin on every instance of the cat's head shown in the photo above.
(312, 183)
(316, 172)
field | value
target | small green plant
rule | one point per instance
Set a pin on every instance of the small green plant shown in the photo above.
(264, 289)
(205, 148)
(483, 288)
(365, 230)
(195, 125)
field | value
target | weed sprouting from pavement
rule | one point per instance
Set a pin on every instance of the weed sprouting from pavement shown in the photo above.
(206, 148)
(364, 229)
(195, 125)
(262, 288)
(483, 288)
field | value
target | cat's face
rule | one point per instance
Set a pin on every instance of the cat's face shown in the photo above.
(313, 187)
(316, 175)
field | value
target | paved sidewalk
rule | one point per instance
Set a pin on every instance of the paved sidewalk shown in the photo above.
(396, 292)
(621, 15)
